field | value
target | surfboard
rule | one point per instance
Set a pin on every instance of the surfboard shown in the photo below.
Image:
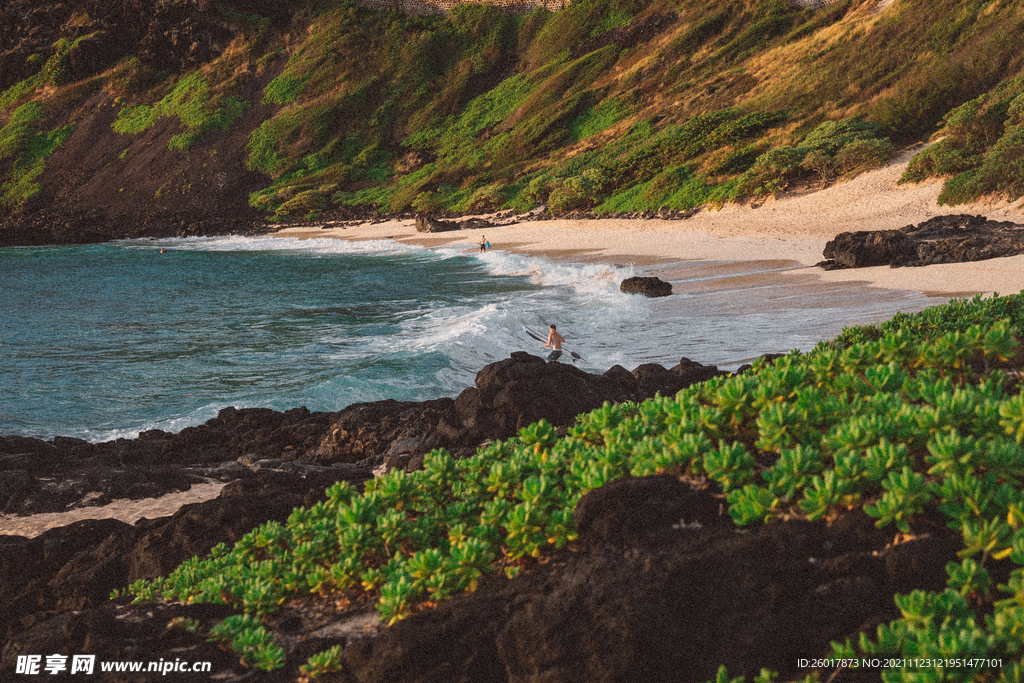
(544, 340)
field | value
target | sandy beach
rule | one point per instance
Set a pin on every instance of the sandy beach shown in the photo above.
(792, 229)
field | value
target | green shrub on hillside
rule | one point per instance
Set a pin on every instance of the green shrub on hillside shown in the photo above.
(192, 103)
(27, 147)
(577, 192)
(936, 161)
(19, 91)
(597, 118)
(772, 172)
(628, 166)
(19, 129)
(283, 90)
(833, 148)
(962, 188)
(1003, 168)
(982, 150)
(487, 199)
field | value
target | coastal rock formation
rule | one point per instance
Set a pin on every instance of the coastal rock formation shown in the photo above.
(77, 566)
(65, 473)
(648, 286)
(426, 223)
(943, 239)
(661, 587)
(508, 396)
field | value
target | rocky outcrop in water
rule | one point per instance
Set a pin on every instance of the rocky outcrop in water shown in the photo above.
(943, 239)
(65, 473)
(648, 286)
(508, 396)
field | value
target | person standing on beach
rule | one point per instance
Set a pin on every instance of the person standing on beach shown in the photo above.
(555, 341)
(483, 243)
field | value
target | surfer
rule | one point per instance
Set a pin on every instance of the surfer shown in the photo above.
(554, 342)
(483, 243)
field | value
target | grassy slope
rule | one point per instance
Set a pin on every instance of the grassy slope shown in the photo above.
(581, 108)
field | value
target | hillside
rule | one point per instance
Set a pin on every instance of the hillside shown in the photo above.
(187, 116)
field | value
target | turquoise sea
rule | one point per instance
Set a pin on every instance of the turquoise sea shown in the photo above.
(103, 341)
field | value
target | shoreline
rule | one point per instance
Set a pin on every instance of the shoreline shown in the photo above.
(782, 239)
(793, 228)
(658, 247)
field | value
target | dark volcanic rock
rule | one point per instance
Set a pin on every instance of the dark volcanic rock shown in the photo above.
(427, 224)
(648, 286)
(142, 633)
(27, 566)
(67, 473)
(508, 396)
(392, 427)
(943, 239)
(663, 588)
(77, 566)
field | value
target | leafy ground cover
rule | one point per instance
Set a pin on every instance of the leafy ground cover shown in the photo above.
(918, 421)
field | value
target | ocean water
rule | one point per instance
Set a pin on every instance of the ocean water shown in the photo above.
(104, 341)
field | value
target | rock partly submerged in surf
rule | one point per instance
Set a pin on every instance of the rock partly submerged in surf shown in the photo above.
(648, 286)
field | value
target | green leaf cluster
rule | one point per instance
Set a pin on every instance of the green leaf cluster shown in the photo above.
(251, 640)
